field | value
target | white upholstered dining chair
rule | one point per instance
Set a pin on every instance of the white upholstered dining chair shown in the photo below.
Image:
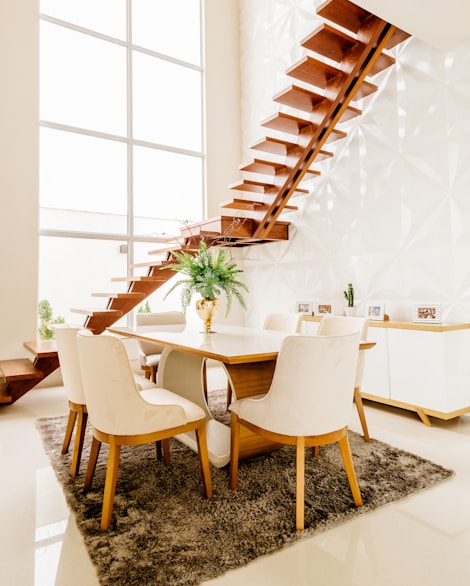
(308, 404)
(283, 322)
(291, 323)
(333, 325)
(65, 337)
(121, 415)
(150, 352)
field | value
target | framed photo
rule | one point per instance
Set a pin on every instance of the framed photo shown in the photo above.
(323, 309)
(427, 313)
(305, 307)
(375, 310)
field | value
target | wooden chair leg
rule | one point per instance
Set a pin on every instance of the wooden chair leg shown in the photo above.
(300, 484)
(69, 431)
(204, 458)
(90, 471)
(204, 378)
(234, 451)
(163, 451)
(349, 467)
(360, 411)
(79, 439)
(110, 484)
(153, 373)
(229, 394)
(316, 451)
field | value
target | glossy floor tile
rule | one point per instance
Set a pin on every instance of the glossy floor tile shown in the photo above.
(421, 540)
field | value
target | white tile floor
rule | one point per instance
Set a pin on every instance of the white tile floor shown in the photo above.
(421, 540)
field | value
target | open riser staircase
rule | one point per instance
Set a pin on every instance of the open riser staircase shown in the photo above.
(328, 84)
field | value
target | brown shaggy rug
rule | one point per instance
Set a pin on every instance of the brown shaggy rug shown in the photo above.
(165, 532)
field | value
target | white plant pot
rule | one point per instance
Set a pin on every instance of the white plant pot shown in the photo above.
(350, 311)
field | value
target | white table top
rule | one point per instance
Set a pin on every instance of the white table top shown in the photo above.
(229, 344)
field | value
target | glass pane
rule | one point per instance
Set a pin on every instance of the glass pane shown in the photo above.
(167, 191)
(71, 269)
(172, 28)
(82, 81)
(83, 183)
(167, 103)
(104, 16)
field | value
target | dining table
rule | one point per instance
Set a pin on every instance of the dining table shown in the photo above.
(248, 356)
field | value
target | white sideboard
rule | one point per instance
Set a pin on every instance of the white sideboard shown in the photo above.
(419, 367)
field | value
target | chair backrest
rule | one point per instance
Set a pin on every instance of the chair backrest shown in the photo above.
(66, 343)
(145, 321)
(312, 389)
(114, 403)
(332, 325)
(283, 322)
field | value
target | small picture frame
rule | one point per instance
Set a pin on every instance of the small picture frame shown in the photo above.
(305, 307)
(427, 313)
(375, 311)
(323, 309)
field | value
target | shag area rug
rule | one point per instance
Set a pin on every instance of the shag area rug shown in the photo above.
(165, 532)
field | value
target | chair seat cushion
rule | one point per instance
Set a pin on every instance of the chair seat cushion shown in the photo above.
(152, 360)
(144, 383)
(160, 396)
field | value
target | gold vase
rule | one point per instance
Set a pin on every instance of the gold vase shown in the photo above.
(206, 310)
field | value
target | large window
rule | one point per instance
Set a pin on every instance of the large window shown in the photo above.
(121, 139)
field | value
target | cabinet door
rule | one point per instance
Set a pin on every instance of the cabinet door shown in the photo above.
(430, 369)
(376, 380)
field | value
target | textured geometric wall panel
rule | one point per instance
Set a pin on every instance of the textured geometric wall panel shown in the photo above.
(391, 209)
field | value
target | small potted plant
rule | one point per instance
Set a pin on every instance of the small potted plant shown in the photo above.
(208, 274)
(349, 296)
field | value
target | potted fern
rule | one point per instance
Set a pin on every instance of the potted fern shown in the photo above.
(208, 274)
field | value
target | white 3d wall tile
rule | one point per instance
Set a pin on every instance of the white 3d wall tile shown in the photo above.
(391, 210)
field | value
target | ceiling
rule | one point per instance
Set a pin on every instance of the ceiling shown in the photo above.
(443, 25)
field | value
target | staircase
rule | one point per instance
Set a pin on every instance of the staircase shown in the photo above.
(344, 54)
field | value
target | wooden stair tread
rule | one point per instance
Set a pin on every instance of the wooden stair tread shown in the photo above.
(323, 155)
(329, 42)
(382, 62)
(349, 114)
(97, 312)
(314, 72)
(286, 123)
(300, 98)
(251, 205)
(125, 295)
(275, 146)
(42, 348)
(364, 90)
(343, 13)
(20, 369)
(399, 36)
(139, 279)
(147, 264)
(168, 249)
(264, 167)
(260, 187)
(352, 18)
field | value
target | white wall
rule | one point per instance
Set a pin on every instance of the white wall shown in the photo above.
(391, 210)
(18, 175)
(222, 77)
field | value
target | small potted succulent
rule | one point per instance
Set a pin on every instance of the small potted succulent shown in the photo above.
(350, 310)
